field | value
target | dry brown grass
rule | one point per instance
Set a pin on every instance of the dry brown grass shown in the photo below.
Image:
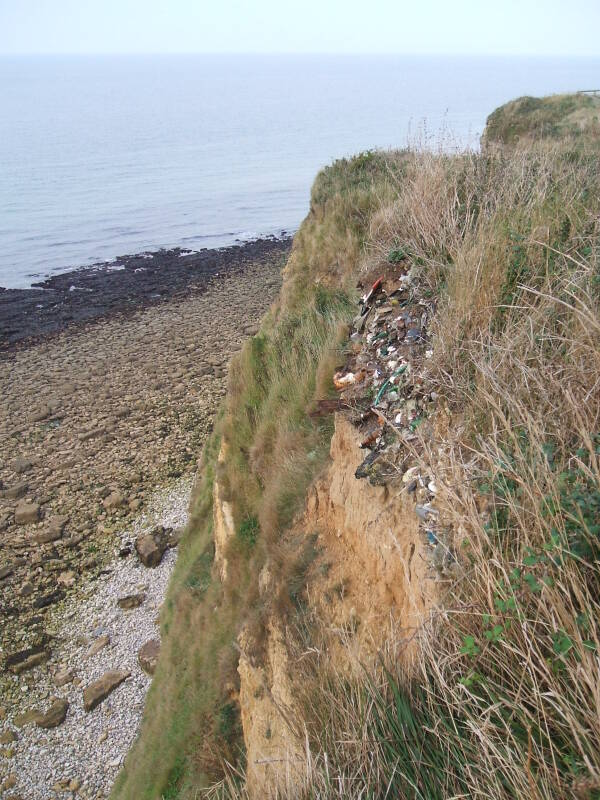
(507, 700)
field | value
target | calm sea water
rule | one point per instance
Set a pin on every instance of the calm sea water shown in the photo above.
(102, 156)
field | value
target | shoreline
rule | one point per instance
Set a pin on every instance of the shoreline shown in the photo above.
(96, 419)
(125, 285)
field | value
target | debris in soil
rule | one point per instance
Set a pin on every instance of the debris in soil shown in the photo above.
(383, 388)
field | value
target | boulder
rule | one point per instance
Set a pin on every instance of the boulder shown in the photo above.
(175, 536)
(66, 579)
(52, 531)
(131, 600)
(27, 513)
(55, 715)
(46, 536)
(26, 718)
(148, 656)
(99, 690)
(57, 522)
(151, 547)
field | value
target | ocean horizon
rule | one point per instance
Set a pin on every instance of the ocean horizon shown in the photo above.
(103, 156)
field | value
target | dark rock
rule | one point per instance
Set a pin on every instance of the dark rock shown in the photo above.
(48, 599)
(131, 601)
(111, 291)
(151, 547)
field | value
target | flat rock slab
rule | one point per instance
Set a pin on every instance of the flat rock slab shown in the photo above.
(23, 660)
(15, 491)
(148, 656)
(99, 690)
(26, 718)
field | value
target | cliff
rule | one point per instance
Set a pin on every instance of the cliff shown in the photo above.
(389, 586)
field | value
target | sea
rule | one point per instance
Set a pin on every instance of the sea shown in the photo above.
(102, 156)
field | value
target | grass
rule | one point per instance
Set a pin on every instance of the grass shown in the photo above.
(559, 116)
(504, 699)
(191, 726)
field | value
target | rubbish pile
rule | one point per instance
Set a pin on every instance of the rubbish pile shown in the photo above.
(386, 397)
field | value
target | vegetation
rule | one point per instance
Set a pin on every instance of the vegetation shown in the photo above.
(504, 700)
(558, 117)
(191, 725)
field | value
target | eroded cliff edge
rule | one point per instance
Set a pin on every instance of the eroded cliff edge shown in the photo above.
(391, 574)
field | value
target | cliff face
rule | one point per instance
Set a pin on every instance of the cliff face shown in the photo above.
(377, 572)
(391, 575)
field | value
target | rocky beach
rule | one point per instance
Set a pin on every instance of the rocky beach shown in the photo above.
(108, 392)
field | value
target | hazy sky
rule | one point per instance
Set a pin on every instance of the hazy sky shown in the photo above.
(544, 27)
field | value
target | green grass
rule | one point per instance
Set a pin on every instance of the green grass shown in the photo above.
(191, 722)
(553, 118)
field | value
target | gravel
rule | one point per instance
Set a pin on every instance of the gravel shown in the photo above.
(89, 748)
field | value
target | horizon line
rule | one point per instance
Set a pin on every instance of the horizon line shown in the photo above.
(345, 53)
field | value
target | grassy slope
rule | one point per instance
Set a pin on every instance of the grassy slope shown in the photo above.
(506, 704)
(506, 701)
(556, 117)
(191, 723)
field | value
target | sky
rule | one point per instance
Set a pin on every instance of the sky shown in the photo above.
(503, 27)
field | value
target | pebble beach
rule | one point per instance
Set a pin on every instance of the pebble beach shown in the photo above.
(101, 427)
